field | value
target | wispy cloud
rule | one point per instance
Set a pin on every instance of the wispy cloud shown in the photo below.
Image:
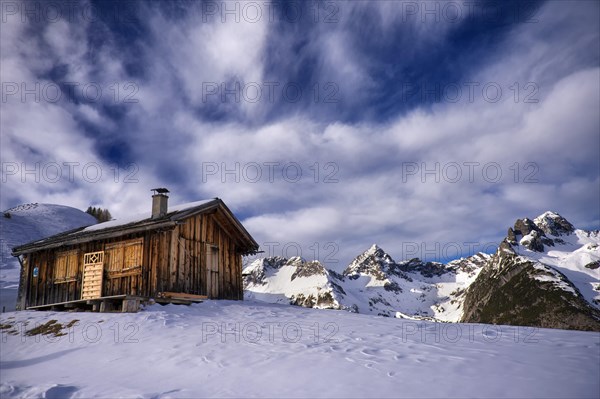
(408, 129)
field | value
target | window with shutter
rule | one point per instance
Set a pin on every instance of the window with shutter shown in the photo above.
(124, 257)
(66, 265)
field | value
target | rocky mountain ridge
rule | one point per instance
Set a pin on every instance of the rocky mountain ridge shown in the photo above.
(372, 283)
(545, 273)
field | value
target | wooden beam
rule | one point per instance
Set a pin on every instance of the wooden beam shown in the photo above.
(181, 295)
(130, 305)
(166, 301)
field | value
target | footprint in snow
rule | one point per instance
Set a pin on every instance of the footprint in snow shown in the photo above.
(311, 345)
(253, 314)
(335, 348)
(370, 352)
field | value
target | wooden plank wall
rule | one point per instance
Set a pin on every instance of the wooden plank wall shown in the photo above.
(188, 260)
(43, 290)
(173, 260)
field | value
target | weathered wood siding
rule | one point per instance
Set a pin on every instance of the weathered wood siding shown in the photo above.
(189, 252)
(172, 260)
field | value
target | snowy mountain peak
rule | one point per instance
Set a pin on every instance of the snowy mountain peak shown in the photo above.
(373, 262)
(296, 260)
(373, 249)
(258, 269)
(553, 224)
(536, 235)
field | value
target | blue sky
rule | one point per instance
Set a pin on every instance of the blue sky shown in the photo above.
(425, 127)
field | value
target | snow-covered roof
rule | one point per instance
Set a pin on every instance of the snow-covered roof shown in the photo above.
(134, 224)
(144, 216)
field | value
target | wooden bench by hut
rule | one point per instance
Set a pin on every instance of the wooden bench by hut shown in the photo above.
(179, 253)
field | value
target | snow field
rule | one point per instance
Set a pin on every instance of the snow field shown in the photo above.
(253, 349)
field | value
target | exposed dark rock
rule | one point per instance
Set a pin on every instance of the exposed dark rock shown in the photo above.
(470, 265)
(510, 236)
(427, 269)
(533, 241)
(505, 246)
(336, 275)
(533, 237)
(338, 288)
(307, 269)
(593, 265)
(392, 286)
(553, 224)
(257, 275)
(507, 292)
(524, 227)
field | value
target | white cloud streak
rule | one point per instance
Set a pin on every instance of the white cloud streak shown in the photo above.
(374, 199)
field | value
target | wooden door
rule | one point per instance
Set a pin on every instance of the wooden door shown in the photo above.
(212, 271)
(93, 268)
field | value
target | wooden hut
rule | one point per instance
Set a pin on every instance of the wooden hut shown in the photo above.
(185, 252)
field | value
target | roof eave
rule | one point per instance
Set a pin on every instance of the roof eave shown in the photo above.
(99, 235)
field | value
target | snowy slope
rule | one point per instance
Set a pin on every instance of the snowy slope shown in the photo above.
(449, 306)
(373, 283)
(253, 349)
(26, 223)
(294, 280)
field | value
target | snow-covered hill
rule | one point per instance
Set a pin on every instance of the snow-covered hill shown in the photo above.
(25, 223)
(560, 256)
(253, 349)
